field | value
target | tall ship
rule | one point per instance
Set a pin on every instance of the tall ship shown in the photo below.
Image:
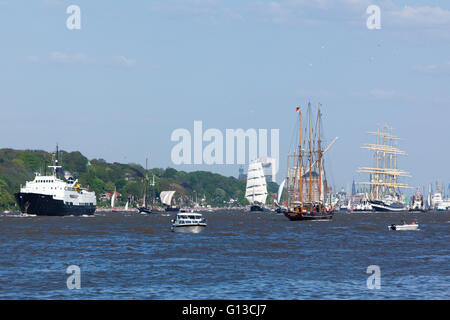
(48, 195)
(166, 199)
(384, 183)
(256, 189)
(306, 183)
(144, 208)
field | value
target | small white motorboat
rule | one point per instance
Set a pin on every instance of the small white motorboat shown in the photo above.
(188, 222)
(404, 226)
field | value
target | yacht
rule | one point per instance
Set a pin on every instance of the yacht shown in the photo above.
(188, 222)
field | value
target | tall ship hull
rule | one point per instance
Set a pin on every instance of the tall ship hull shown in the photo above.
(145, 210)
(172, 209)
(382, 206)
(45, 205)
(309, 216)
(258, 208)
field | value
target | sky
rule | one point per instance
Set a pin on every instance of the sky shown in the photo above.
(136, 71)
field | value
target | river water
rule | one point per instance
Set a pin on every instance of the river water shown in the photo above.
(239, 255)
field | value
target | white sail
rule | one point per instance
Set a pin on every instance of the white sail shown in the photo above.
(256, 191)
(166, 197)
(113, 199)
(280, 191)
(126, 206)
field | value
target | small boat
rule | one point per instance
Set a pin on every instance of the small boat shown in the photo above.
(189, 222)
(404, 226)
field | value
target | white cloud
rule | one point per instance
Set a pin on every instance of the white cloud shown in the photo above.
(419, 16)
(433, 68)
(125, 61)
(80, 59)
(69, 58)
(204, 10)
(378, 94)
(307, 12)
(383, 94)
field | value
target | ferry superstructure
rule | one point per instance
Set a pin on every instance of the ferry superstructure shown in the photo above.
(48, 195)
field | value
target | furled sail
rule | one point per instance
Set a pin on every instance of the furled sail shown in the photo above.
(256, 191)
(166, 197)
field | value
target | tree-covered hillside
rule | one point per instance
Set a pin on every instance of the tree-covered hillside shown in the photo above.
(19, 166)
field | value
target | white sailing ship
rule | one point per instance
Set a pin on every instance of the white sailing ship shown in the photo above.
(256, 190)
(385, 194)
(166, 199)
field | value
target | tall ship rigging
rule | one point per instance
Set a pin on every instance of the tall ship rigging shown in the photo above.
(256, 189)
(385, 188)
(48, 195)
(306, 183)
(145, 208)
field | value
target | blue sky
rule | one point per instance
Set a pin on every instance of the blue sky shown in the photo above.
(136, 71)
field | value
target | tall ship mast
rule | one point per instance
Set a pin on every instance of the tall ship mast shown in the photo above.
(48, 195)
(306, 182)
(384, 183)
(144, 208)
